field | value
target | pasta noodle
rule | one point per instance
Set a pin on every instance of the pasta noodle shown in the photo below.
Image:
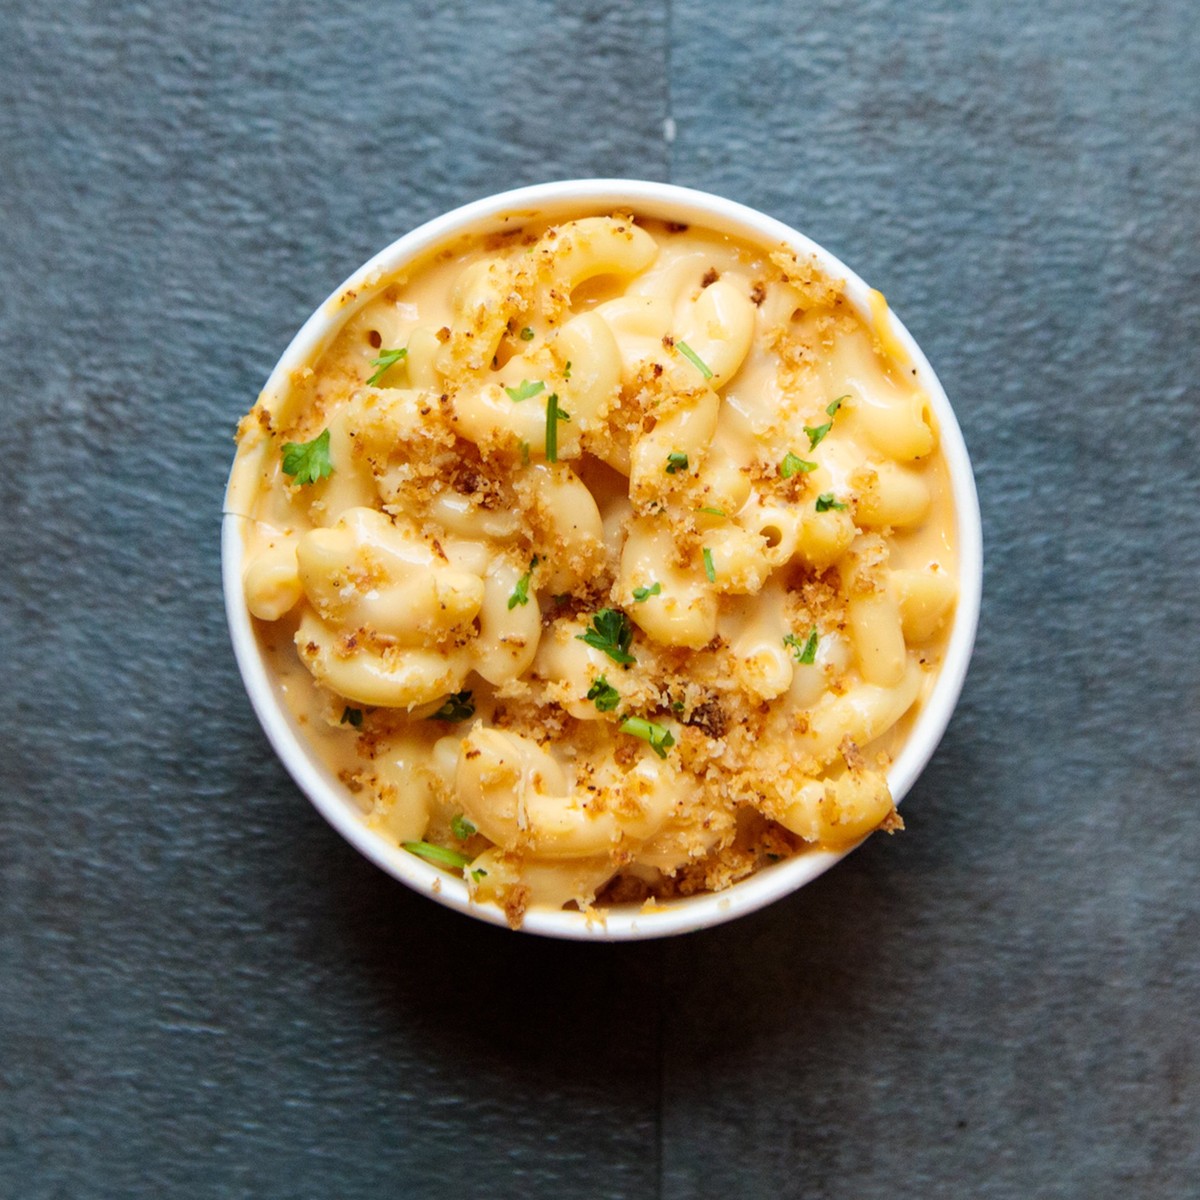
(605, 560)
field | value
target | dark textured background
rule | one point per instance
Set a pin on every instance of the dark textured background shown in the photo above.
(204, 992)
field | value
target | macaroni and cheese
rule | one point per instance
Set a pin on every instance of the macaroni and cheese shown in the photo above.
(604, 560)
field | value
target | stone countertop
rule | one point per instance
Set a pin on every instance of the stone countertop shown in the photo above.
(204, 992)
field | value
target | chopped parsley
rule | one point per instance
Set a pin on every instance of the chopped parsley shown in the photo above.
(554, 414)
(457, 707)
(461, 827)
(644, 593)
(527, 334)
(793, 465)
(307, 462)
(659, 736)
(709, 569)
(611, 633)
(604, 695)
(826, 501)
(806, 651)
(526, 390)
(352, 716)
(816, 433)
(712, 512)
(524, 453)
(676, 461)
(386, 360)
(477, 874)
(567, 370)
(438, 854)
(521, 591)
(694, 359)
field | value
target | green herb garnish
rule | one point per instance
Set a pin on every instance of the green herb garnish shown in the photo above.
(307, 462)
(709, 569)
(567, 370)
(524, 453)
(793, 465)
(527, 334)
(806, 651)
(693, 358)
(611, 633)
(386, 359)
(526, 390)
(659, 736)
(604, 695)
(816, 433)
(457, 707)
(644, 593)
(554, 414)
(826, 501)
(352, 716)
(676, 461)
(712, 512)
(438, 854)
(521, 591)
(461, 827)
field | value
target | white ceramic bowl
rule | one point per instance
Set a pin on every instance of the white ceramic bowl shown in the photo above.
(572, 197)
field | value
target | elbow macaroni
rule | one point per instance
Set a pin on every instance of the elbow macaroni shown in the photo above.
(633, 561)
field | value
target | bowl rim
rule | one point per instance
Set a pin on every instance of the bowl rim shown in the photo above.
(329, 797)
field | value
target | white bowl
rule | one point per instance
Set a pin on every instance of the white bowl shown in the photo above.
(668, 202)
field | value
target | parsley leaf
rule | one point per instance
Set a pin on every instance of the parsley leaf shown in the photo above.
(524, 453)
(604, 695)
(644, 593)
(462, 827)
(521, 591)
(659, 736)
(612, 633)
(792, 465)
(527, 334)
(307, 462)
(526, 390)
(438, 854)
(567, 370)
(816, 433)
(826, 501)
(386, 360)
(676, 461)
(352, 716)
(806, 651)
(712, 512)
(693, 358)
(554, 414)
(709, 569)
(457, 707)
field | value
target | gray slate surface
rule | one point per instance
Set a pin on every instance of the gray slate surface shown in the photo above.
(204, 992)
